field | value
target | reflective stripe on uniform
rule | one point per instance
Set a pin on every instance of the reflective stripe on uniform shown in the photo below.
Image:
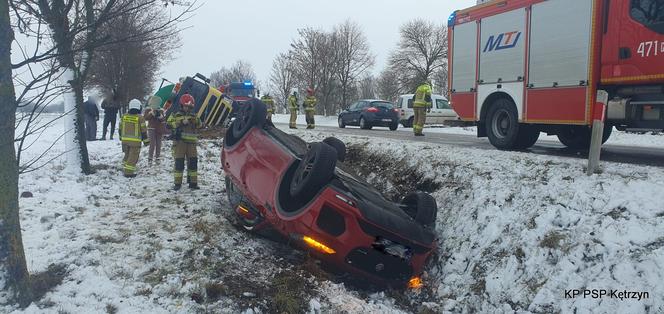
(134, 121)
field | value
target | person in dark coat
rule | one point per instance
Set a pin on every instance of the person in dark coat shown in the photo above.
(91, 118)
(111, 106)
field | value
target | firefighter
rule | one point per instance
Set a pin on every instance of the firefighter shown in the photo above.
(292, 105)
(269, 103)
(421, 106)
(132, 132)
(185, 125)
(309, 108)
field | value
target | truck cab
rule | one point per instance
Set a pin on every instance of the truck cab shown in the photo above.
(521, 67)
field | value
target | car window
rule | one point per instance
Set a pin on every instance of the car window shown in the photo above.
(353, 106)
(442, 104)
(363, 104)
(382, 104)
(410, 103)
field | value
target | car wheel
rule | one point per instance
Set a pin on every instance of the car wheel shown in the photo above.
(502, 124)
(410, 122)
(394, 126)
(314, 171)
(338, 145)
(252, 113)
(421, 207)
(341, 123)
(364, 124)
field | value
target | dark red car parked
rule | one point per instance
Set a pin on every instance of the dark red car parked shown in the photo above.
(279, 184)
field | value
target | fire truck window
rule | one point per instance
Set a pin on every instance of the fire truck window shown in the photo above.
(649, 13)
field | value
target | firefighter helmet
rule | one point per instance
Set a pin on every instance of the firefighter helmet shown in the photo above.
(135, 104)
(187, 101)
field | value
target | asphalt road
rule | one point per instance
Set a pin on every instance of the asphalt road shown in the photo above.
(613, 153)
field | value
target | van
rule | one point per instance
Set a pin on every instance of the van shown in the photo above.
(441, 110)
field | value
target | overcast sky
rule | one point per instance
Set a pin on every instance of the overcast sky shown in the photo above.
(222, 32)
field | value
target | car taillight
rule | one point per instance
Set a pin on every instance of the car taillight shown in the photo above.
(396, 110)
(372, 109)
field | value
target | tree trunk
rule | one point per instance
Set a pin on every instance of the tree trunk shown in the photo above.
(14, 278)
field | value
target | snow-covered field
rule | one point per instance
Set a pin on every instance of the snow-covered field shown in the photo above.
(515, 231)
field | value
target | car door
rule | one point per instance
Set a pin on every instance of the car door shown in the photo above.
(445, 110)
(352, 114)
(361, 105)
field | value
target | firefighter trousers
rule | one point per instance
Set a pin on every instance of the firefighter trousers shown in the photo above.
(310, 119)
(293, 118)
(183, 151)
(131, 154)
(419, 119)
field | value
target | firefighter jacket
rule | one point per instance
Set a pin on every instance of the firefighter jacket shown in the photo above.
(188, 132)
(269, 103)
(310, 103)
(133, 130)
(423, 96)
(292, 103)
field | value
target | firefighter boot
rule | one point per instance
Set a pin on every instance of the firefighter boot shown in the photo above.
(179, 169)
(192, 173)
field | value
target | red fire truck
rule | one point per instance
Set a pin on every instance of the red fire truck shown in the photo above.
(518, 67)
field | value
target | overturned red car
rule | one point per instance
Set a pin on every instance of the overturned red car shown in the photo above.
(279, 184)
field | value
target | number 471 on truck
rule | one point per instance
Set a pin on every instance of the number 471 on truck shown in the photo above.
(521, 67)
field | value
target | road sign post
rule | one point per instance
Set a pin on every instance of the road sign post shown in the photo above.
(599, 115)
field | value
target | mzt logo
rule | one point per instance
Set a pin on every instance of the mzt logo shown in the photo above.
(502, 41)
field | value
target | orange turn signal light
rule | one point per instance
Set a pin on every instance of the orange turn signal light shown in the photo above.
(317, 245)
(415, 283)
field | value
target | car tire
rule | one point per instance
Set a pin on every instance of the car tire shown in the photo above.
(502, 124)
(364, 124)
(578, 136)
(314, 171)
(338, 145)
(394, 126)
(252, 113)
(421, 207)
(341, 123)
(410, 122)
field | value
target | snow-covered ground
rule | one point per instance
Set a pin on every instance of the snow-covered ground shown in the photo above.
(515, 231)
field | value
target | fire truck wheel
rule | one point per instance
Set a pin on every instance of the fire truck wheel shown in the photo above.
(527, 137)
(578, 136)
(575, 136)
(502, 124)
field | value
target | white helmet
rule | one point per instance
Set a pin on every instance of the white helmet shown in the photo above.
(135, 104)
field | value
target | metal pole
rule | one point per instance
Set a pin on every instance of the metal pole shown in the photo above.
(599, 115)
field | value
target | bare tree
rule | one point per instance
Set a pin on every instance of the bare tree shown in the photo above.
(74, 28)
(14, 278)
(387, 85)
(366, 87)
(129, 67)
(353, 57)
(282, 77)
(421, 53)
(238, 72)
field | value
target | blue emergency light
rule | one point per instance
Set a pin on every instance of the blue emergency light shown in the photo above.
(451, 19)
(248, 83)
